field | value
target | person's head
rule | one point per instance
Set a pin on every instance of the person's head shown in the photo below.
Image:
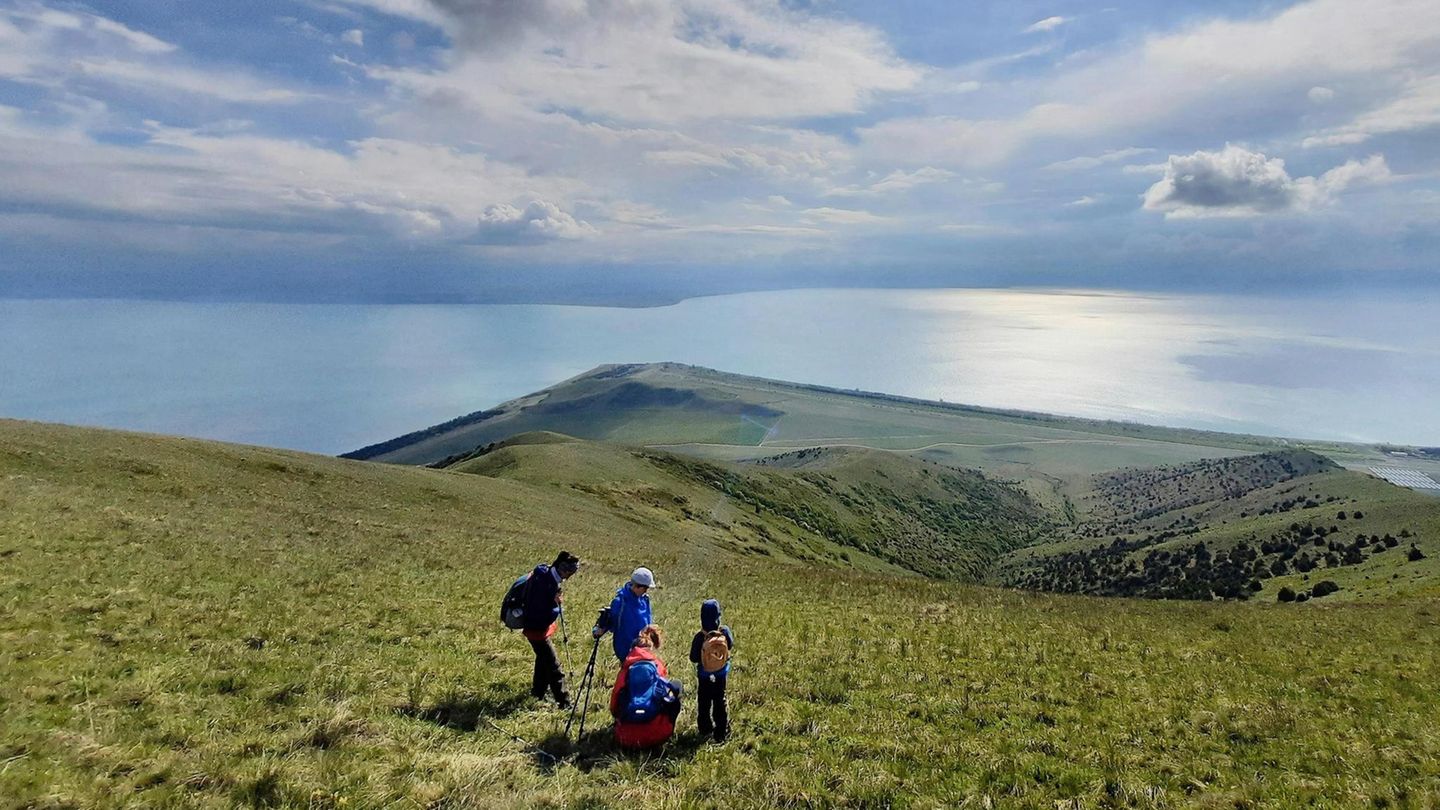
(710, 615)
(652, 637)
(566, 564)
(641, 581)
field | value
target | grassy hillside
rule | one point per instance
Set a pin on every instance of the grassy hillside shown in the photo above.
(728, 416)
(1241, 528)
(814, 505)
(192, 624)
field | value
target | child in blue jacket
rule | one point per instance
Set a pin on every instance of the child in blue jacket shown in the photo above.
(629, 613)
(710, 651)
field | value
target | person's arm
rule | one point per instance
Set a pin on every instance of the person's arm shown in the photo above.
(695, 645)
(729, 639)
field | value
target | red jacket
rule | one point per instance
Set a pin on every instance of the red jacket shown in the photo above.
(639, 735)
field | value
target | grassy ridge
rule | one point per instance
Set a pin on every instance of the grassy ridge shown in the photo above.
(835, 506)
(711, 412)
(200, 625)
(1285, 520)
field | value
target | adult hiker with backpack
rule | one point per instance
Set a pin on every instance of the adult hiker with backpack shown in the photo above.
(644, 701)
(534, 606)
(629, 612)
(710, 652)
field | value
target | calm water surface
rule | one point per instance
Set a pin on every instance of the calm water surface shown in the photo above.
(333, 378)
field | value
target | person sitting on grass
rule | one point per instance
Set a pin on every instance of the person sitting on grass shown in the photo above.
(710, 652)
(644, 702)
(629, 612)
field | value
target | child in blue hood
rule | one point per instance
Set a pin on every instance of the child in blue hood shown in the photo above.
(710, 651)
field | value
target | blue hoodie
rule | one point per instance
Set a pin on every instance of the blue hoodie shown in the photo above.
(629, 614)
(710, 620)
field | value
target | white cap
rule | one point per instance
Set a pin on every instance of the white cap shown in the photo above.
(642, 576)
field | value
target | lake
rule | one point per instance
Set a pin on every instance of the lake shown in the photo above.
(332, 378)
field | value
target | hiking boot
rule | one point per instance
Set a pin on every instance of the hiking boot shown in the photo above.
(722, 734)
(562, 700)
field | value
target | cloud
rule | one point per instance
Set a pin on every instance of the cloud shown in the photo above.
(1083, 202)
(538, 221)
(61, 49)
(1237, 182)
(91, 26)
(1417, 107)
(165, 79)
(896, 182)
(1223, 69)
(1320, 95)
(354, 37)
(1087, 162)
(653, 61)
(1047, 24)
(232, 178)
(843, 216)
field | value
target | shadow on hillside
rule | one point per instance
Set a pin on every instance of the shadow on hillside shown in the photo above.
(465, 711)
(597, 749)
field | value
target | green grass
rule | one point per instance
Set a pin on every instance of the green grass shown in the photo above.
(188, 624)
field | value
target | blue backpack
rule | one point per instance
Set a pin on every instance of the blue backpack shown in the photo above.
(645, 690)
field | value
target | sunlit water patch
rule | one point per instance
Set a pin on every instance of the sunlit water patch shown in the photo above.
(332, 378)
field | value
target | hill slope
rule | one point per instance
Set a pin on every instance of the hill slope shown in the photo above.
(820, 504)
(732, 416)
(193, 624)
(1241, 528)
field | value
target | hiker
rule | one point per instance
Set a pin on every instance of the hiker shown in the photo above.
(644, 702)
(629, 612)
(542, 612)
(710, 652)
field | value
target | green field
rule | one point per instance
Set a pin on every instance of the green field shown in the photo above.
(667, 403)
(727, 417)
(191, 624)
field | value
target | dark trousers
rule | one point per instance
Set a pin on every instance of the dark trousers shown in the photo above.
(713, 716)
(548, 674)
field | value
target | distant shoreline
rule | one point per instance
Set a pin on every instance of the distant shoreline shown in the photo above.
(659, 301)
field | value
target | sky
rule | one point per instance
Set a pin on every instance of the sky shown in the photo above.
(644, 150)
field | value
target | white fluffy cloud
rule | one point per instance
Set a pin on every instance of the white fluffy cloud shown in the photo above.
(1238, 182)
(538, 221)
(654, 61)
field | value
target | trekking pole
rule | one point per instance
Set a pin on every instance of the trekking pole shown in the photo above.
(565, 640)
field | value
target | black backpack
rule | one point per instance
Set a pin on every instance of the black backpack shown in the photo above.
(512, 608)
